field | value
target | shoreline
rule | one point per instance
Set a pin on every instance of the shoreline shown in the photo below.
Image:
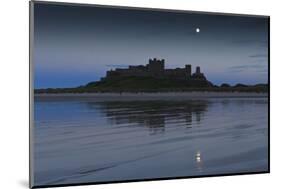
(149, 96)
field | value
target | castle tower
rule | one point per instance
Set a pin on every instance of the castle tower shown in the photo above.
(162, 64)
(188, 70)
(156, 67)
(197, 70)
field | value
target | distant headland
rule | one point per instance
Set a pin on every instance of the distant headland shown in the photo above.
(153, 77)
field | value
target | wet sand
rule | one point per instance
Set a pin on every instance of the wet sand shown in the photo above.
(150, 96)
(84, 140)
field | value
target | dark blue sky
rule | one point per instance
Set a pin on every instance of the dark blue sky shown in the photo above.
(74, 45)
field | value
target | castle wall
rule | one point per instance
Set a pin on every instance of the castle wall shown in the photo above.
(178, 73)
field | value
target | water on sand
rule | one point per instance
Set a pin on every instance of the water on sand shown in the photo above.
(77, 141)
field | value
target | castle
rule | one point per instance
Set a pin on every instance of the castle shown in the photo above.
(156, 69)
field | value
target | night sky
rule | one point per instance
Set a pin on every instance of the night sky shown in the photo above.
(74, 45)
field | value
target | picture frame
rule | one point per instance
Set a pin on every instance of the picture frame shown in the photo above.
(124, 94)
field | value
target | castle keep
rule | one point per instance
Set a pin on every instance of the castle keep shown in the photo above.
(156, 69)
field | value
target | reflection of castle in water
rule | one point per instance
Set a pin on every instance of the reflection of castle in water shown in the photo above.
(155, 115)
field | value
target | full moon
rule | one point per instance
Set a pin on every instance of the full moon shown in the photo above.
(197, 30)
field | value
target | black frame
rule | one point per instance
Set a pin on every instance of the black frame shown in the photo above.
(31, 92)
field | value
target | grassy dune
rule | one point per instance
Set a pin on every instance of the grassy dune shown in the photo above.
(147, 84)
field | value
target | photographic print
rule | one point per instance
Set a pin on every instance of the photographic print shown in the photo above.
(121, 94)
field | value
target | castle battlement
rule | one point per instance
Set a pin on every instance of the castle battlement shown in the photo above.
(156, 69)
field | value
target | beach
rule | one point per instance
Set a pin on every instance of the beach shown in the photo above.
(107, 137)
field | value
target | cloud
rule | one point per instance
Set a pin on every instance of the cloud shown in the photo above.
(248, 67)
(258, 56)
(117, 65)
(263, 44)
